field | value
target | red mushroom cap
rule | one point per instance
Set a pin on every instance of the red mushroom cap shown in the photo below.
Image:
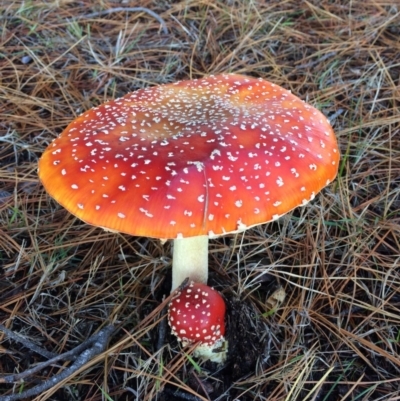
(196, 315)
(201, 157)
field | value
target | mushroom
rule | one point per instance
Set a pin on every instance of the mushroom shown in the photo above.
(190, 161)
(196, 315)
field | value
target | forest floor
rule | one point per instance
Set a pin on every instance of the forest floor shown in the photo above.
(334, 337)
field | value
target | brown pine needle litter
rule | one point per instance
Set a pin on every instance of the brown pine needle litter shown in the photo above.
(336, 334)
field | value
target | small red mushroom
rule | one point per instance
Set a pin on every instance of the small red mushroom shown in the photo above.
(196, 315)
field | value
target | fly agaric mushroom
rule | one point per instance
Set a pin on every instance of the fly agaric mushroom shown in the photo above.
(191, 160)
(196, 314)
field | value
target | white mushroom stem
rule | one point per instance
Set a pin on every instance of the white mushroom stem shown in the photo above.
(190, 259)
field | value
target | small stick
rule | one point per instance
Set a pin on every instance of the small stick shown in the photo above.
(26, 343)
(162, 330)
(94, 346)
(182, 395)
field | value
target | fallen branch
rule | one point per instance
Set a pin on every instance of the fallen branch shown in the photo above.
(26, 343)
(81, 354)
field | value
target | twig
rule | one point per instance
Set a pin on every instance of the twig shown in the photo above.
(67, 356)
(26, 343)
(335, 115)
(162, 330)
(94, 346)
(182, 395)
(128, 9)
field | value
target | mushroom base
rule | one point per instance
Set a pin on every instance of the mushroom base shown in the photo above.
(215, 353)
